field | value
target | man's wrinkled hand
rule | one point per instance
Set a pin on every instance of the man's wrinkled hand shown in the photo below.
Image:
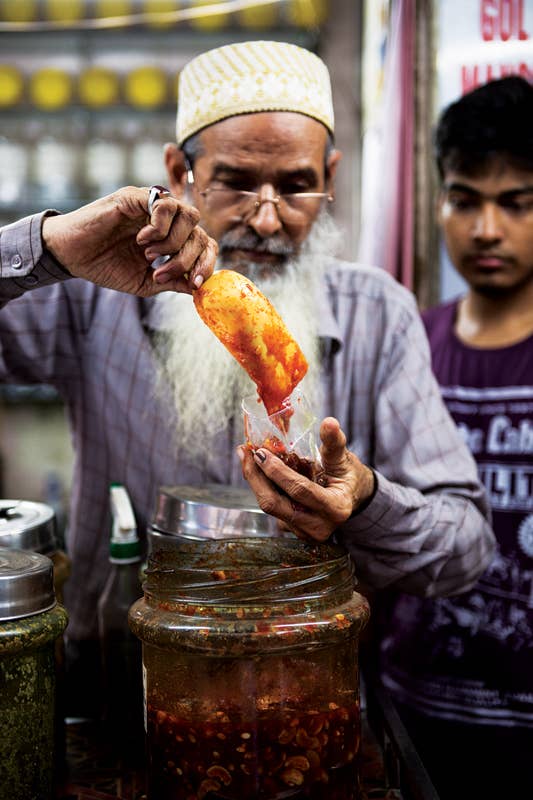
(309, 510)
(113, 242)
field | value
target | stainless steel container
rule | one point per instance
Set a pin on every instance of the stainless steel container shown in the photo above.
(212, 511)
(30, 623)
(27, 525)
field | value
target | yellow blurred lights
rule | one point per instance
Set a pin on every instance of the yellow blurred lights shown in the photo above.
(113, 8)
(11, 86)
(50, 89)
(146, 87)
(210, 21)
(18, 10)
(64, 10)
(98, 87)
(307, 13)
(154, 8)
(258, 17)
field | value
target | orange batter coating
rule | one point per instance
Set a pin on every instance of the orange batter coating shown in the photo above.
(254, 333)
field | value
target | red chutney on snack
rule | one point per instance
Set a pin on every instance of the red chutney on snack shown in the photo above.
(254, 333)
(305, 466)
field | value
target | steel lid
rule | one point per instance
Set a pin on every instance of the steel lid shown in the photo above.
(26, 583)
(211, 511)
(27, 526)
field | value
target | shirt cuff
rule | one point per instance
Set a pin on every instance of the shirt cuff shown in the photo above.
(23, 257)
(377, 511)
(368, 500)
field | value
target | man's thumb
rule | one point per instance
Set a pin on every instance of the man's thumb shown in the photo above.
(333, 449)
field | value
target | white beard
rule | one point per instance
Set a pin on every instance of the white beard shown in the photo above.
(206, 383)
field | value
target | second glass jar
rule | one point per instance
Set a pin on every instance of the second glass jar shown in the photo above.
(250, 656)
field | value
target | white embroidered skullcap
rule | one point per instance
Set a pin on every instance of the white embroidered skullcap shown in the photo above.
(252, 76)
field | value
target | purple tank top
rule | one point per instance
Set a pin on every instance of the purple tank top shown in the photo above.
(470, 657)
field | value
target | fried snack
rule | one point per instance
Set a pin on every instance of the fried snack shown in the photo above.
(254, 333)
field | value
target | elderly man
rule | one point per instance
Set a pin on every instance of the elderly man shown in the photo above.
(152, 396)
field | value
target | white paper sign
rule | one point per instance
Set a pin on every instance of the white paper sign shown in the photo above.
(479, 40)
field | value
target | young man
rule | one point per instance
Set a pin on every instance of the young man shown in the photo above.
(153, 397)
(462, 667)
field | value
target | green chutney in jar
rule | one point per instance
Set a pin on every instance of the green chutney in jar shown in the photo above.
(30, 623)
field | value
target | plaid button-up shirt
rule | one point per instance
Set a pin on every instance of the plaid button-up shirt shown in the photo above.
(426, 530)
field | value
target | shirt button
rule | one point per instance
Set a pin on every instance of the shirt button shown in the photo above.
(16, 262)
(31, 280)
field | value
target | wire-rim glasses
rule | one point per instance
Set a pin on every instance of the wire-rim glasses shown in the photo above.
(246, 203)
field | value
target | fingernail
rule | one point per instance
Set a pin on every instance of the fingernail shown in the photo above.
(260, 456)
(198, 281)
(162, 277)
(240, 454)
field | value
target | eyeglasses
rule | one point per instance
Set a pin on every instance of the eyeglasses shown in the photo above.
(292, 207)
(245, 204)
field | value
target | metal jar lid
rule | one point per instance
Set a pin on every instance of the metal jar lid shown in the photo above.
(27, 526)
(211, 511)
(26, 583)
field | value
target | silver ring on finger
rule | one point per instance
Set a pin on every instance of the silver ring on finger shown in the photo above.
(156, 193)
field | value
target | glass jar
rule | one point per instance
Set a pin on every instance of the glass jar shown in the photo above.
(30, 623)
(251, 671)
(27, 525)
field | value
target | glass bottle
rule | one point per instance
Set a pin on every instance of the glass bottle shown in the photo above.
(120, 650)
(250, 670)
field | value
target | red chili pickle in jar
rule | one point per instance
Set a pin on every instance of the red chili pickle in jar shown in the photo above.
(251, 671)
